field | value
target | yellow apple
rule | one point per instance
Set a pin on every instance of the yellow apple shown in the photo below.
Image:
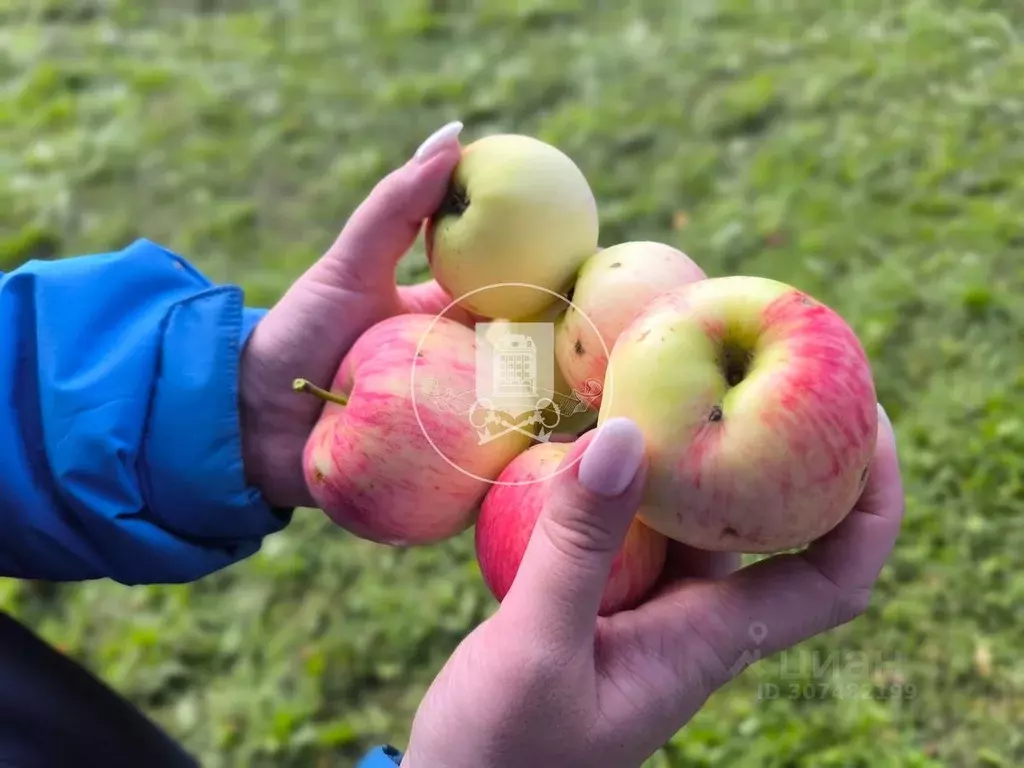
(517, 210)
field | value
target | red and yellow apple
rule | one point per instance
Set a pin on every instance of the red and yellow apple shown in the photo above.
(759, 411)
(612, 287)
(517, 210)
(396, 459)
(509, 514)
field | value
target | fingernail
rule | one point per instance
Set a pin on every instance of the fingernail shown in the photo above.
(611, 461)
(437, 140)
(884, 419)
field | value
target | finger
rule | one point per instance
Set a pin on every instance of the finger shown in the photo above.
(783, 600)
(558, 589)
(853, 554)
(429, 298)
(383, 228)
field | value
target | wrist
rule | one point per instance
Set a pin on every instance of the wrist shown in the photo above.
(271, 455)
(271, 445)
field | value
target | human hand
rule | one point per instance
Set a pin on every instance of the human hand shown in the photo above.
(349, 289)
(547, 682)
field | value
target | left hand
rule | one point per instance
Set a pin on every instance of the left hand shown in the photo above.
(349, 289)
(546, 681)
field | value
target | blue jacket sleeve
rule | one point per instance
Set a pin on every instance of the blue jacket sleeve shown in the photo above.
(120, 452)
(381, 757)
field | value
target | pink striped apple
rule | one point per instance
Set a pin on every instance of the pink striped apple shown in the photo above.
(394, 457)
(611, 288)
(509, 515)
(759, 410)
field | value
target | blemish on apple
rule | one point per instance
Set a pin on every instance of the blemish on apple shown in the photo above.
(578, 347)
(716, 413)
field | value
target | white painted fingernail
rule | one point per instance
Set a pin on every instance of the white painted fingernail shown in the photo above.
(438, 140)
(884, 419)
(612, 460)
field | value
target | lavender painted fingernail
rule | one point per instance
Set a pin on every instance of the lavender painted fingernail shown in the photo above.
(612, 460)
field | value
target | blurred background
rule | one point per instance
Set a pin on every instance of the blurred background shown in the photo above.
(869, 152)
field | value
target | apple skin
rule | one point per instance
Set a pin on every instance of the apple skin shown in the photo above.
(509, 515)
(517, 211)
(612, 287)
(747, 454)
(369, 465)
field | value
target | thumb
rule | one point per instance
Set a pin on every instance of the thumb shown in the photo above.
(593, 500)
(352, 286)
(382, 229)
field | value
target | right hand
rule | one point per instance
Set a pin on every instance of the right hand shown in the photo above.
(547, 682)
(345, 292)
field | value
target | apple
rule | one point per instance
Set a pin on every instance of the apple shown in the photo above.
(611, 288)
(395, 456)
(517, 210)
(509, 514)
(759, 410)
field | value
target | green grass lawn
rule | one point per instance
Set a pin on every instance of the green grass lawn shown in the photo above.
(869, 152)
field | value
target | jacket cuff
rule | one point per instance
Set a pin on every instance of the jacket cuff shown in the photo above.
(384, 756)
(193, 432)
(250, 319)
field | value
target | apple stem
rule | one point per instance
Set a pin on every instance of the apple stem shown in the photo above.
(304, 385)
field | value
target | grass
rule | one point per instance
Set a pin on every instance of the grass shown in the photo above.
(870, 152)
